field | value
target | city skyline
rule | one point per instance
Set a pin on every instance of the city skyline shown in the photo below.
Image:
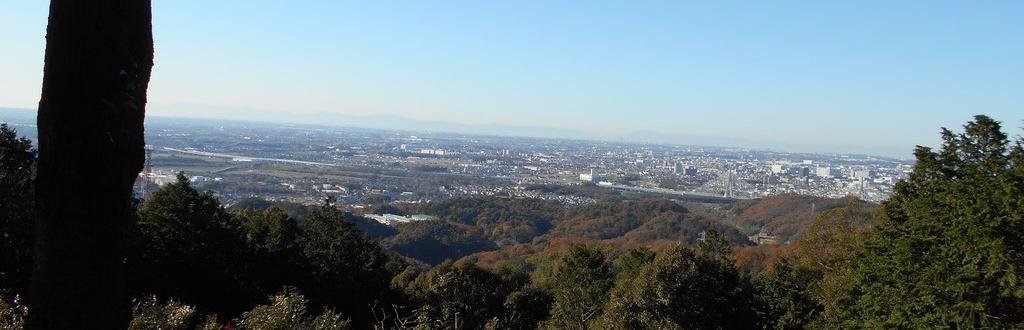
(22, 118)
(871, 78)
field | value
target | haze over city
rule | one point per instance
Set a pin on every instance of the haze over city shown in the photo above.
(395, 165)
(800, 76)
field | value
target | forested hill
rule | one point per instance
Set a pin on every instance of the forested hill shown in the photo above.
(530, 226)
(944, 252)
(786, 216)
(493, 229)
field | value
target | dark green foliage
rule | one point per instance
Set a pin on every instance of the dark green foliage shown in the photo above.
(613, 219)
(436, 241)
(950, 249)
(275, 243)
(507, 221)
(151, 313)
(784, 298)
(633, 261)
(580, 284)
(525, 308)
(459, 296)
(714, 244)
(373, 229)
(947, 253)
(385, 209)
(270, 230)
(190, 248)
(251, 204)
(643, 220)
(682, 289)
(12, 312)
(349, 271)
(527, 304)
(288, 311)
(296, 211)
(17, 199)
(300, 213)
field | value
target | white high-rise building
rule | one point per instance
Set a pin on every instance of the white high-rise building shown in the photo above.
(827, 171)
(591, 177)
(863, 174)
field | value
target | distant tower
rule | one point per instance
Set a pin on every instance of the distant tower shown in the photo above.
(147, 171)
(149, 160)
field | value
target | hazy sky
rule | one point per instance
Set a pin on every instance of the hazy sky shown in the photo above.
(865, 74)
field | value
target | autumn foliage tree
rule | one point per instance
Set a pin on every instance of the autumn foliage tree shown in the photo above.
(806, 287)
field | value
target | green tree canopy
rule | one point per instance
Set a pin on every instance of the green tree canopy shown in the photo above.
(288, 311)
(682, 288)
(349, 271)
(17, 199)
(581, 280)
(459, 295)
(275, 246)
(190, 248)
(949, 251)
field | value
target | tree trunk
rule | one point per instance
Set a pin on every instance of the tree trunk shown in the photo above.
(97, 67)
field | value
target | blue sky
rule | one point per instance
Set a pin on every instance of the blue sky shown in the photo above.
(817, 75)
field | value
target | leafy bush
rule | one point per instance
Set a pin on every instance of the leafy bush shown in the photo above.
(287, 311)
(12, 312)
(150, 313)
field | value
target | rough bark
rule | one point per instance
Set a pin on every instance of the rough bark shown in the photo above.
(97, 68)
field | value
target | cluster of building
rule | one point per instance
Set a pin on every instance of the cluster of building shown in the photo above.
(357, 165)
(393, 219)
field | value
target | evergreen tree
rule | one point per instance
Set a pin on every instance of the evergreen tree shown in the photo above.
(525, 304)
(580, 284)
(784, 298)
(683, 289)
(275, 246)
(459, 295)
(632, 262)
(349, 271)
(17, 170)
(190, 248)
(288, 311)
(151, 313)
(525, 308)
(949, 251)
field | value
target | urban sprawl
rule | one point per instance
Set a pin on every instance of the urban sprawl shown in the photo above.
(358, 167)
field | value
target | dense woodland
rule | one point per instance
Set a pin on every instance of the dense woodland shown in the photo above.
(944, 252)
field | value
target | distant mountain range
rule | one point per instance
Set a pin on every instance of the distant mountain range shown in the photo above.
(395, 122)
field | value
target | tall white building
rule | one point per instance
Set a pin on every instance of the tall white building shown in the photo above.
(591, 177)
(863, 174)
(827, 171)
